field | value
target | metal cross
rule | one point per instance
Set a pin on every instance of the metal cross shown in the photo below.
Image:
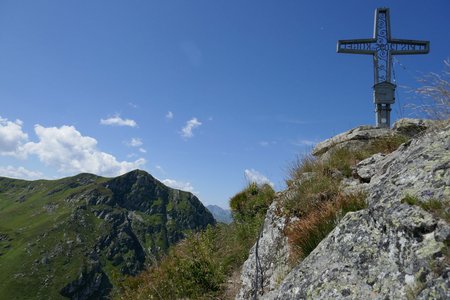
(382, 46)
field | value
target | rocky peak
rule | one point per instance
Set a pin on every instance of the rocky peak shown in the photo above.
(136, 190)
(85, 233)
(396, 248)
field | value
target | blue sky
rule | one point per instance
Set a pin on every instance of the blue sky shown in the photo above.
(204, 95)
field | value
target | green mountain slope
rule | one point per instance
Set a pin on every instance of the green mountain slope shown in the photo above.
(77, 236)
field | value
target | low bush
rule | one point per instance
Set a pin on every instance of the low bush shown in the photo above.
(251, 202)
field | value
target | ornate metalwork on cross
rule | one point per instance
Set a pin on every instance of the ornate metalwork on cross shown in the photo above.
(382, 47)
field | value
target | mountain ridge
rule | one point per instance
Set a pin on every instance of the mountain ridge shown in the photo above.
(220, 214)
(77, 236)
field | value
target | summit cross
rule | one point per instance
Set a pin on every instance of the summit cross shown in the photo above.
(382, 47)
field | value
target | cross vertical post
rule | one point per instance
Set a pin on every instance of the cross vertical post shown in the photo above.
(382, 47)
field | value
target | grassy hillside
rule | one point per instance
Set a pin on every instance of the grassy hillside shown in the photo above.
(200, 266)
(78, 236)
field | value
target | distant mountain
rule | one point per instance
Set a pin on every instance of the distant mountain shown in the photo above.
(220, 214)
(77, 236)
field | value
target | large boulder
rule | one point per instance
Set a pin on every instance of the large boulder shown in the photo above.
(363, 136)
(412, 127)
(357, 138)
(392, 250)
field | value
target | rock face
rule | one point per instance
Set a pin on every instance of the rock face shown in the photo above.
(411, 127)
(391, 250)
(272, 258)
(78, 236)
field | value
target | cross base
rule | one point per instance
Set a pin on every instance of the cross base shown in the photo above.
(383, 97)
(383, 115)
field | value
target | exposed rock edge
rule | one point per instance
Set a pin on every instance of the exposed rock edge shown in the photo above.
(391, 250)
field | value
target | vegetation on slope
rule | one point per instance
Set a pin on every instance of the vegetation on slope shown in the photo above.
(318, 201)
(197, 268)
(57, 236)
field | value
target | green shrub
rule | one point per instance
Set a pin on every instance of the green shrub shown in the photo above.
(252, 202)
(190, 270)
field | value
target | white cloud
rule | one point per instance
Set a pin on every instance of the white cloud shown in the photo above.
(256, 177)
(20, 173)
(186, 131)
(169, 115)
(66, 149)
(118, 121)
(142, 150)
(134, 142)
(11, 137)
(132, 105)
(179, 185)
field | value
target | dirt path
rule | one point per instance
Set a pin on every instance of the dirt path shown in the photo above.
(232, 286)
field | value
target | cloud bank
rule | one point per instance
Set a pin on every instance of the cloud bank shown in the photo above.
(63, 147)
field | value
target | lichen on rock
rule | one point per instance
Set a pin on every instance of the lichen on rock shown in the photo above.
(392, 249)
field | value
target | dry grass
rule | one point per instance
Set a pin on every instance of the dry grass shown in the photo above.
(435, 94)
(305, 234)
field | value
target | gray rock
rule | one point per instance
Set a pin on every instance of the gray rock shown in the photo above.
(412, 127)
(368, 167)
(356, 138)
(273, 254)
(391, 250)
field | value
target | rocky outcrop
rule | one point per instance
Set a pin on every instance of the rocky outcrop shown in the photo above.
(92, 283)
(392, 249)
(268, 260)
(412, 127)
(363, 136)
(356, 138)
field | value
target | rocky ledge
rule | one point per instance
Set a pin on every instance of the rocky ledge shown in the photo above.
(394, 249)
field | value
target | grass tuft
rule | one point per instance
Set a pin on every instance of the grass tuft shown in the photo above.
(305, 234)
(438, 208)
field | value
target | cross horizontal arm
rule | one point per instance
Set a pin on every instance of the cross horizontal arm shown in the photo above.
(403, 47)
(358, 46)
